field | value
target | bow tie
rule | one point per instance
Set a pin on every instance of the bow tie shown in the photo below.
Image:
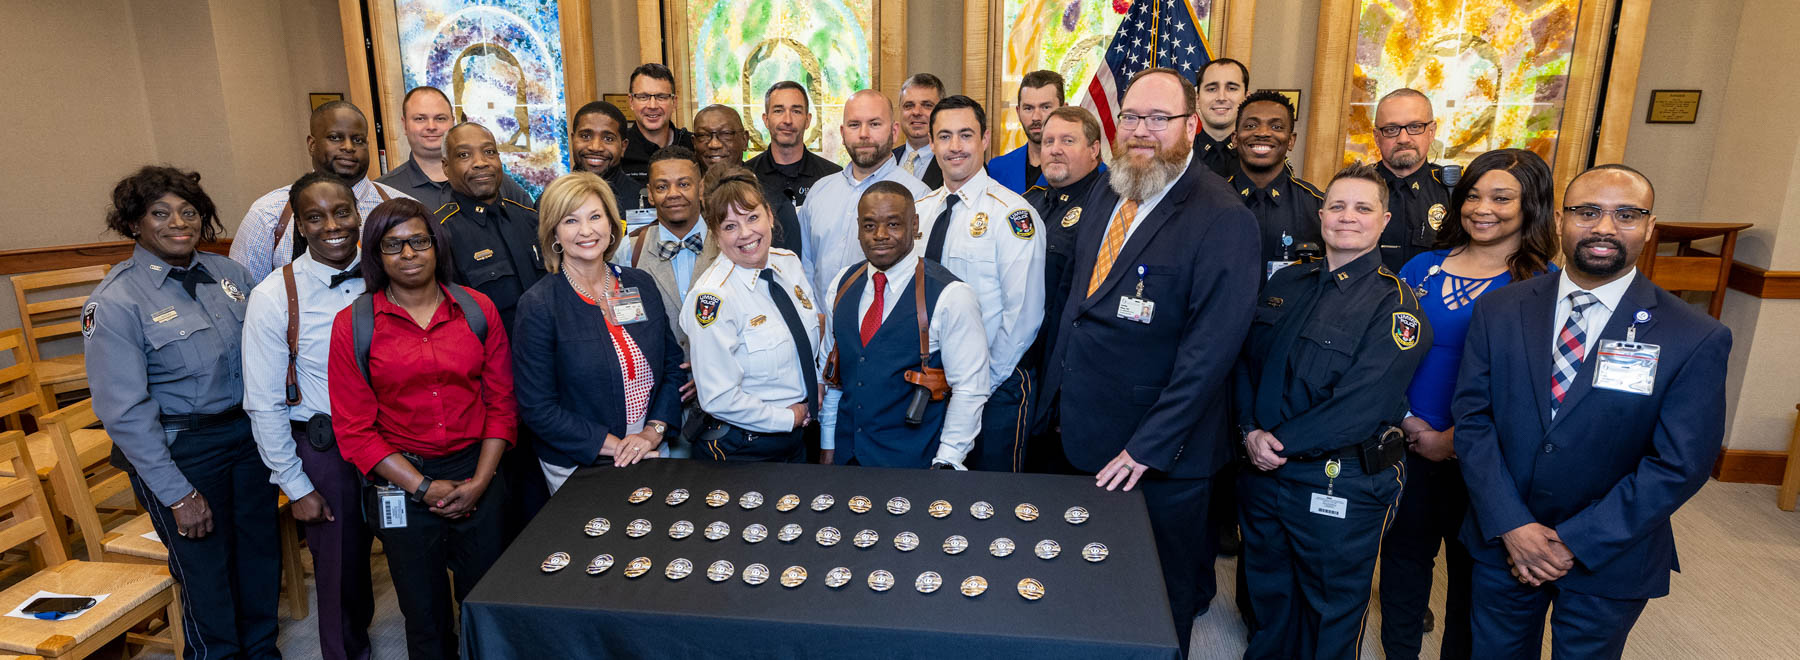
(340, 278)
(668, 249)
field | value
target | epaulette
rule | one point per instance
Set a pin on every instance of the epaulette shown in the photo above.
(1436, 171)
(1309, 188)
(1406, 296)
(782, 251)
(504, 200)
(932, 194)
(451, 207)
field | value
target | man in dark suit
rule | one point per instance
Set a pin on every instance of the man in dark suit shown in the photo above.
(1575, 464)
(1162, 285)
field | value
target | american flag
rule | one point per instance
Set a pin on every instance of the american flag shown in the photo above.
(1154, 33)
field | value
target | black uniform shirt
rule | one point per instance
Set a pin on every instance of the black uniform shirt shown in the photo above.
(785, 187)
(409, 179)
(1218, 155)
(1061, 212)
(1420, 203)
(1287, 211)
(1343, 345)
(630, 192)
(494, 246)
(639, 149)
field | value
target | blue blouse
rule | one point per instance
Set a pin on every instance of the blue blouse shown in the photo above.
(1434, 384)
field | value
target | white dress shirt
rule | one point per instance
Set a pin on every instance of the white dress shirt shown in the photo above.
(1596, 316)
(253, 243)
(916, 166)
(745, 366)
(265, 353)
(956, 335)
(1145, 206)
(829, 220)
(1005, 266)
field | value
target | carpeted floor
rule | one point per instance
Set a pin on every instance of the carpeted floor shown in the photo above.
(1736, 597)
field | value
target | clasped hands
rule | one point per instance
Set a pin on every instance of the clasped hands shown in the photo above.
(1537, 554)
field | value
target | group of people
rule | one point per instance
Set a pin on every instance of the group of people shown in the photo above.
(1344, 375)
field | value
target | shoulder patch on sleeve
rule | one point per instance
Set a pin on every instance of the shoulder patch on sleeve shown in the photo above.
(87, 319)
(1405, 328)
(706, 309)
(1022, 226)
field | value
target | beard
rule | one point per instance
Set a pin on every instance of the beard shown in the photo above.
(1600, 266)
(1406, 159)
(1133, 179)
(881, 152)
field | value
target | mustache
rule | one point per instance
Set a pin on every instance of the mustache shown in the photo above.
(1595, 240)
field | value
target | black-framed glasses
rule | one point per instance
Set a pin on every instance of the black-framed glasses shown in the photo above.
(1415, 128)
(419, 243)
(659, 98)
(724, 137)
(1130, 121)
(1588, 215)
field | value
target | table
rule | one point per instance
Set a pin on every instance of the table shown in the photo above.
(1114, 609)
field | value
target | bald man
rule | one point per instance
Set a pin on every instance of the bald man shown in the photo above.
(719, 136)
(828, 219)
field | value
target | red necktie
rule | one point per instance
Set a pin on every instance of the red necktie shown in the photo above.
(872, 318)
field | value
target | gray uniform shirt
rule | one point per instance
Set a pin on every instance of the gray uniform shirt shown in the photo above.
(153, 351)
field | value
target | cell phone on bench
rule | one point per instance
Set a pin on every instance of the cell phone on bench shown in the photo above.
(59, 605)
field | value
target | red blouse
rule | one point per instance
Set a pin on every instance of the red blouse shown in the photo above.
(437, 390)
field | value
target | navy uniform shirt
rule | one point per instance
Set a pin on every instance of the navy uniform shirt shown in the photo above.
(1329, 356)
(1287, 211)
(1061, 212)
(639, 149)
(154, 351)
(632, 196)
(495, 248)
(411, 180)
(785, 187)
(1218, 155)
(1420, 204)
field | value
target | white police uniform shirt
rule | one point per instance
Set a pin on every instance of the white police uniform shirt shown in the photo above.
(265, 363)
(255, 245)
(956, 335)
(829, 220)
(992, 244)
(746, 369)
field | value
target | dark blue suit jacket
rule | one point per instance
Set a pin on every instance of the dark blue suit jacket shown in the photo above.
(1009, 169)
(567, 379)
(1159, 390)
(1610, 469)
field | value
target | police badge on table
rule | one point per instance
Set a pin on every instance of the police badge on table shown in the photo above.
(706, 309)
(1406, 330)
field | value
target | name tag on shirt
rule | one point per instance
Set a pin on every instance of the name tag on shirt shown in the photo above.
(1137, 309)
(627, 306)
(635, 218)
(1626, 366)
(390, 503)
(1271, 267)
(1329, 505)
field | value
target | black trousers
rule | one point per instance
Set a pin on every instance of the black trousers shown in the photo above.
(1308, 573)
(1186, 546)
(230, 579)
(724, 442)
(424, 554)
(1431, 512)
(1005, 425)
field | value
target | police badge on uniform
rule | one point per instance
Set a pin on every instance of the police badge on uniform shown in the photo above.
(87, 319)
(801, 295)
(231, 289)
(1406, 330)
(706, 309)
(978, 226)
(1072, 217)
(1436, 215)
(1021, 224)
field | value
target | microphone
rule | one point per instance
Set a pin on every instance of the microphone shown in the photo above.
(1452, 174)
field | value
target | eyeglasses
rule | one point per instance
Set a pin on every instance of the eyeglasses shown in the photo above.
(659, 98)
(1588, 215)
(1155, 123)
(419, 243)
(724, 137)
(1414, 128)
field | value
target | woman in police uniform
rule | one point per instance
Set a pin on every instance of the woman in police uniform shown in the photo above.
(164, 365)
(754, 330)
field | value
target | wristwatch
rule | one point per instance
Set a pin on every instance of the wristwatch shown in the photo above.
(940, 465)
(660, 427)
(419, 494)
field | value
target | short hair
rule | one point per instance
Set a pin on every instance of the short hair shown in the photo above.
(675, 152)
(133, 195)
(1364, 172)
(726, 187)
(602, 107)
(1043, 78)
(718, 107)
(385, 218)
(453, 129)
(787, 84)
(1271, 96)
(423, 89)
(1616, 167)
(652, 69)
(923, 79)
(331, 106)
(1188, 95)
(564, 196)
(309, 180)
(1405, 92)
(958, 102)
(1537, 209)
(1244, 70)
(887, 187)
(1090, 127)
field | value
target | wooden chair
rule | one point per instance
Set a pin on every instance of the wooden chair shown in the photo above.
(1790, 480)
(19, 390)
(138, 594)
(45, 320)
(1690, 269)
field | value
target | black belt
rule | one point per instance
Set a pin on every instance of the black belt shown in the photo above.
(1341, 453)
(193, 421)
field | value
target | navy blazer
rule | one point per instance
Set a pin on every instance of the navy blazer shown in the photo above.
(1009, 169)
(1160, 390)
(1610, 469)
(567, 378)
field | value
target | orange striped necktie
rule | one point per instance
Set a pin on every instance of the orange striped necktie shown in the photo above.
(1115, 241)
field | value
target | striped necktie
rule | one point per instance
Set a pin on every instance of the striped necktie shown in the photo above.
(1571, 347)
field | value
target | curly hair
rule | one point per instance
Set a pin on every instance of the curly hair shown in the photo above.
(132, 197)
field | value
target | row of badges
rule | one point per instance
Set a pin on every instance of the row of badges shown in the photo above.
(1027, 512)
(830, 536)
(794, 576)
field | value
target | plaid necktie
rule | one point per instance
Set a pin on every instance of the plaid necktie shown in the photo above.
(1571, 347)
(912, 164)
(668, 249)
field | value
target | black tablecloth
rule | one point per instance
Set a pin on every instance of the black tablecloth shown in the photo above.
(1113, 609)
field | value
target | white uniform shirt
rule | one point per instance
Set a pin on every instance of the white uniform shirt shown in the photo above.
(265, 363)
(956, 335)
(255, 245)
(745, 366)
(829, 220)
(1001, 258)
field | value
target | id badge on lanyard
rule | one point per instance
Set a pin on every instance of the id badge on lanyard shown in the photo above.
(1627, 366)
(1137, 307)
(627, 306)
(390, 506)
